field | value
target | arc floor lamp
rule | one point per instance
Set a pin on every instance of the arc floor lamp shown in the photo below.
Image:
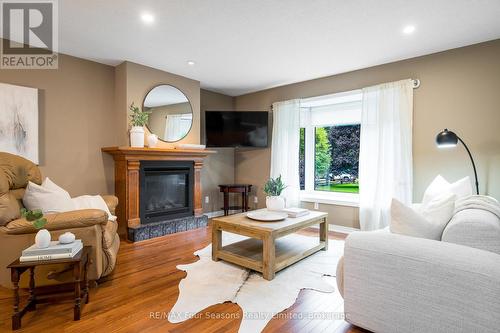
(446, 139)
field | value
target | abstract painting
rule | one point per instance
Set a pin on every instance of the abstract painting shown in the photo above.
(19, 121)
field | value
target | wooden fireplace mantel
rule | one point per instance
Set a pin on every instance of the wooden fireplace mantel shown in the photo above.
(127, 166)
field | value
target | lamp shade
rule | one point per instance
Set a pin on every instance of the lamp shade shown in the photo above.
(446, 139)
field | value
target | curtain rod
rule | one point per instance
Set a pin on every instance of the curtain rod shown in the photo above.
(416, 84)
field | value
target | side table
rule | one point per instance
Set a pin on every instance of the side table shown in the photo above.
(244, 189)
(79, 263)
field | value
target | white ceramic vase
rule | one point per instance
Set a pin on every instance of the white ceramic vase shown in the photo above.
(137, 137)
(152, 140)
(275, 203)
(42, 239)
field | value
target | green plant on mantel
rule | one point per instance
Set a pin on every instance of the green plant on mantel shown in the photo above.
(138, 117)
(274, 187)
(35, 217)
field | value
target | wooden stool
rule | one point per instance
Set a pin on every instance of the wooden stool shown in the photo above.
(244, 189)
(79, 262)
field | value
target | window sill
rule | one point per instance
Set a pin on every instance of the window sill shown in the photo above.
(339, 199)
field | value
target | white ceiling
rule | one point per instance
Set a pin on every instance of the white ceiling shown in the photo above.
(241, 46)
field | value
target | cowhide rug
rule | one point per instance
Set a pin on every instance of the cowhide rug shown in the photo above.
(209, 282)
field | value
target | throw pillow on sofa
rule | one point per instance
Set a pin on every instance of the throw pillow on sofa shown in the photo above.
(427, 220)
(462, 188)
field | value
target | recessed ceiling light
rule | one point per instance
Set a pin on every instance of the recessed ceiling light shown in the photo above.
(191, 63)
(147, 18)
(409, 29)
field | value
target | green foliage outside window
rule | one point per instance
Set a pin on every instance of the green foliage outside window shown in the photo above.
(323, 156)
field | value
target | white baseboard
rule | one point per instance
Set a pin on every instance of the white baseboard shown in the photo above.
(339, 228)
(218, 213)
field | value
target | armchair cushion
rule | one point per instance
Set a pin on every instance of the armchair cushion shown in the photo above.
(67, 220)
(15, 172)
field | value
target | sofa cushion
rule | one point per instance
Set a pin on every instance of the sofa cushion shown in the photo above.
(428, 221)
(476, 228)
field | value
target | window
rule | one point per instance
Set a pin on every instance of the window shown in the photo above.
(329, 145)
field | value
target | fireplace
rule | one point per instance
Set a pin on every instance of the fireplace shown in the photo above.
(166, 190)
(158, 189)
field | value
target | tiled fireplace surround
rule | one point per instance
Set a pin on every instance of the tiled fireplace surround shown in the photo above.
(127, 189)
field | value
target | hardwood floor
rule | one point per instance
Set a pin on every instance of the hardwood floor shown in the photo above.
(144, 286)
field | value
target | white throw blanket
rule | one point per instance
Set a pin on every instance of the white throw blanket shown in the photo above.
(483, 202)
(92, 202)
(209, 282)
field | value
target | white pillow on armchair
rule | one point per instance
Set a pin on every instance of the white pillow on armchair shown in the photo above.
(48, 200)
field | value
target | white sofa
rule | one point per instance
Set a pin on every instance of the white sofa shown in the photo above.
(396, 283)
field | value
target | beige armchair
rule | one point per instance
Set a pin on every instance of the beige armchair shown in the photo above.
(90, 225)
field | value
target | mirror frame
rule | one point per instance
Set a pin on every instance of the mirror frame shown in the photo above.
(190, 105)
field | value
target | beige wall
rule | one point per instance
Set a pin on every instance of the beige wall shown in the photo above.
(76, 119)
(459, 90)
(137, 80)
(219, 168)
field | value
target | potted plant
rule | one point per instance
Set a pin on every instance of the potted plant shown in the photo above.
(138, 119)
(42, 238)
(273, 189)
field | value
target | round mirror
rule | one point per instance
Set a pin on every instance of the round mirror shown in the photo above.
(171, 113)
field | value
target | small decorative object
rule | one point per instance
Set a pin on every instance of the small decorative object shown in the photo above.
(267, 216)
(273, 189)
(42, 238)
(67, 238)
(152, 140)
(448, 139)
(138, 119)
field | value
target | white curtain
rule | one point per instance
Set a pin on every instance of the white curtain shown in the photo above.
(385, 158)
(176, 126)
(285, 148)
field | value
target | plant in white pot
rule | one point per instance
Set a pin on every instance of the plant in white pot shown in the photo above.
(138, 119)
(273, 189)
(42, 238)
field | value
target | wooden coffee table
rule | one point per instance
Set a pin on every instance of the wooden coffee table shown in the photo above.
(266, 250)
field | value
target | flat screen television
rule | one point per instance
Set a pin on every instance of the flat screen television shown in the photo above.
(236, 128)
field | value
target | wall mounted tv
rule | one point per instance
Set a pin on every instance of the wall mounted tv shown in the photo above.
(236, 128)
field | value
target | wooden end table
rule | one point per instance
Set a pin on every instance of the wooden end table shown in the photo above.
(79, 263)
(244, 189)
(266, 250)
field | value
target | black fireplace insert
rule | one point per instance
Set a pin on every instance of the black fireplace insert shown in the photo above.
(166, 190)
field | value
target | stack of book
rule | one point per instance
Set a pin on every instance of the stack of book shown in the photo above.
(296, 212)
(54, 251)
